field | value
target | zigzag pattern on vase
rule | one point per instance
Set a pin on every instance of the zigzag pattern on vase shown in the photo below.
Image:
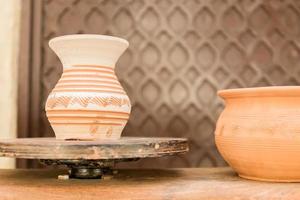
(65, 101)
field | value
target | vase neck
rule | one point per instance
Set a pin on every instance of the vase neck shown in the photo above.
(90, 50)
(87, 66)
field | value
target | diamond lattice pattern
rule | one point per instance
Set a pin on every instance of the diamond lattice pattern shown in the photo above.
(181, 52)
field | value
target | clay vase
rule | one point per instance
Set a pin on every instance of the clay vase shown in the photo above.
(258, 133)
(88, 101)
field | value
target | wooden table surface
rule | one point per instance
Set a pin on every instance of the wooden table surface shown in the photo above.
(200, 183)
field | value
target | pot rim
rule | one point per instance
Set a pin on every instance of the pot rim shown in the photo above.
(270, 91)
(88, 36)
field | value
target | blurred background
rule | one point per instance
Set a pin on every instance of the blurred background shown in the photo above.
(181, 53)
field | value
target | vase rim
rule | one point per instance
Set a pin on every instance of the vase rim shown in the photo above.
(270, 91)
(89, 36)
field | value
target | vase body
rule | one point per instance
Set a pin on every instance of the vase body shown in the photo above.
(258, 133)
(88, 101)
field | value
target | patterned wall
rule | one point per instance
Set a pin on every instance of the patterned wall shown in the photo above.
(181, 52)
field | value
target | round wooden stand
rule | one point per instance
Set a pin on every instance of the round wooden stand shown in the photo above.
(91, 159)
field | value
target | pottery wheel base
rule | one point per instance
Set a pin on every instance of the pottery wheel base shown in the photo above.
(94, 158)
(88, 169)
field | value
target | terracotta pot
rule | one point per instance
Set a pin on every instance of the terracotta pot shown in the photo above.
(258, 133)
(88, 101)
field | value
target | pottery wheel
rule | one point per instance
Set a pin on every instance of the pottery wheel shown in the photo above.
(91, 159)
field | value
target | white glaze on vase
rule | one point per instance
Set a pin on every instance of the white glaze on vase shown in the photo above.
(88, 101)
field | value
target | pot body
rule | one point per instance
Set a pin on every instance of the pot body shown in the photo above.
(258, 133)
(88, 101)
